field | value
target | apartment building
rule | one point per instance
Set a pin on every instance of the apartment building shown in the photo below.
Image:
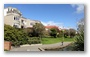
(14, 18)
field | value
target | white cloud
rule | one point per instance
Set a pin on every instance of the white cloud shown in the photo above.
(79, 8)
(60, 25)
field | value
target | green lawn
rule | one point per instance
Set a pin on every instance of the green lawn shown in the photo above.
(55, 40)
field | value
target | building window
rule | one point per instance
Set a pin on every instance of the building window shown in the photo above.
(22, 21)
(31, 24)
(22, 26)
(15, 26)
(16, 18)
(9, 9)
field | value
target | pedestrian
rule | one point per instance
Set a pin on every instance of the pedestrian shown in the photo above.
(62, 43)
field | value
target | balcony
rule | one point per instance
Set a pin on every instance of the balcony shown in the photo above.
(17, 22)
(23, 22)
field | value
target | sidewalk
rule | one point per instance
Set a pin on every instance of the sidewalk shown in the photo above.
(41, 47)
(57, 45)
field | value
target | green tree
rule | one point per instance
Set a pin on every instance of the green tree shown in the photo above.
(60, 33)
(53, 32)
(38, 30)
(28, 31)
(66, 33)
(71, 32)
(14, 35)
(79, 39)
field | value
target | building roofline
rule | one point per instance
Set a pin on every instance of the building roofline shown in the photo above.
(13, 8)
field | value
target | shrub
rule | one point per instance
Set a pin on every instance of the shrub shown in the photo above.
(16, 36)
(53, 32)
(34, 40)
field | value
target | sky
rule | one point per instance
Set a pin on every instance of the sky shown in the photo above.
(62, 15)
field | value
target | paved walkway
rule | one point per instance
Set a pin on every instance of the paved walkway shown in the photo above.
(41, 47)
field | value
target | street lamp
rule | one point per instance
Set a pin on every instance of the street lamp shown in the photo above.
(69, 32)
(63, 36)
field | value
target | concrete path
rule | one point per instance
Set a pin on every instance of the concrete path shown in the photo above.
(54, 46)
(41, 47)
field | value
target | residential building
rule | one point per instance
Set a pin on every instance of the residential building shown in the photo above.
(13, 17)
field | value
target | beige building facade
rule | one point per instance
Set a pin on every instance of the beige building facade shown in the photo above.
(14, 18)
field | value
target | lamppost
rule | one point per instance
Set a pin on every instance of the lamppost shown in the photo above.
(63, 36)
(69, 31)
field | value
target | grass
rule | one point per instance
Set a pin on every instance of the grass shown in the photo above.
(55, 40)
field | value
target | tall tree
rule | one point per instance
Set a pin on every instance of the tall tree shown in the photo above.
(38, 30)
(53, 32)
(80, 37)
(72, 32)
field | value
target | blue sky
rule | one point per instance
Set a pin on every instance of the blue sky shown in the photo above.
(61, 15)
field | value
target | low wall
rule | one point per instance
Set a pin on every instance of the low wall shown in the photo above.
(7, 45)
(30, 45)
